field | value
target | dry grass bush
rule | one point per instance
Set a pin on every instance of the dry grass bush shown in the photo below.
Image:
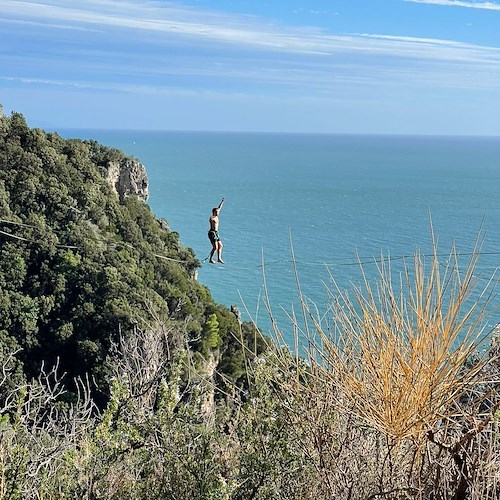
(38, 433)
(398, 396)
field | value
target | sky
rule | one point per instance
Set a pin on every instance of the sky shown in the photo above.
(307, 66)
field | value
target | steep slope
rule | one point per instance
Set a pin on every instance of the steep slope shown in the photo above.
(83, 260)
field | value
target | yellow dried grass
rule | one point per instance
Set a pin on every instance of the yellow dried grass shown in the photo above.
(398, 359)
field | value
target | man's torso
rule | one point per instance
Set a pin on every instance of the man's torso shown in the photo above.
(214, 223)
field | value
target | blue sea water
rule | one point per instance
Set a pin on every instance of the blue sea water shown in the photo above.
(333, 197)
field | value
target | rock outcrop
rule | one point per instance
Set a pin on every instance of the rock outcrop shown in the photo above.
(128, 177)
(207, 388)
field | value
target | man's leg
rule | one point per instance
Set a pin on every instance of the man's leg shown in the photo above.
(214, 248)
(219, 252)
(212, 236)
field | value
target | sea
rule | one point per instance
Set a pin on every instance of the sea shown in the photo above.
(316, 213)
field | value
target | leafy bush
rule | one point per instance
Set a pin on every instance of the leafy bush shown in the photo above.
(78, 265)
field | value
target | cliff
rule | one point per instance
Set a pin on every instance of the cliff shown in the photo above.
(84, 262)
(128, 176)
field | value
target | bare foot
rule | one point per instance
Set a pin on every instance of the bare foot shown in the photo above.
(221, 261)
(212, 261)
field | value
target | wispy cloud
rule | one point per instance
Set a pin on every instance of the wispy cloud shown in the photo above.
(459, 3)
(173, 20)
(110, 87)
(234, 49)
(167, 18)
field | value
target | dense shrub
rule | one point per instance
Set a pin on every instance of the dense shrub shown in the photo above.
(78, 265)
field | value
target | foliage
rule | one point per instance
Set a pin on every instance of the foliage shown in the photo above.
(395, 398)
(78, 265)
(288, 438)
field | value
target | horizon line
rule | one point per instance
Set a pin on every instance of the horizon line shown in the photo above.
(268, 132)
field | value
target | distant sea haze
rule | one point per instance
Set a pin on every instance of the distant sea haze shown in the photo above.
(335, 198)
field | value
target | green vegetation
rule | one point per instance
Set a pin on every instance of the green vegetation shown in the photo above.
(396, 398)
(79, 267)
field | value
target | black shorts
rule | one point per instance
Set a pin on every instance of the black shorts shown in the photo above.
(213, 236)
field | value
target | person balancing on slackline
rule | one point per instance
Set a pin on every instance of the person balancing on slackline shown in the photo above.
(213, 234)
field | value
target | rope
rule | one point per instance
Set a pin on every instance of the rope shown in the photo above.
(366, 260)
(16, 223)
(30, 241)
(13, 236)
(74, 247)
(168, 258)
(362, 261)
(374, 261)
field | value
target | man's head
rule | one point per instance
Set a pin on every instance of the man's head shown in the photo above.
(215, 211)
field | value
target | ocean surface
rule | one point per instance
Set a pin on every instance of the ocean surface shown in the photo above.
(332, 198)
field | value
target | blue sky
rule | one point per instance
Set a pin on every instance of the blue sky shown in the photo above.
(329, 66)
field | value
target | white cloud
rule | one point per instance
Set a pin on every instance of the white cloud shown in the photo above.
(44, 81)
(172, 20)
(272, 53)
(21, 23)
(163, 18)
(432, 49)
(459, 3)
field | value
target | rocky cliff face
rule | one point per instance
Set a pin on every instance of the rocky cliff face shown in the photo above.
(207, 388)
(128, 177)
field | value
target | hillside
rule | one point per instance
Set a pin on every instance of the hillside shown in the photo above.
(84, 262)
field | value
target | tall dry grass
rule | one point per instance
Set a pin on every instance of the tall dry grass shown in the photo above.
(399, 355)
(398, 394)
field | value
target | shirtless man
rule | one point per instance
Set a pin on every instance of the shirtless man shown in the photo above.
(213, 234)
